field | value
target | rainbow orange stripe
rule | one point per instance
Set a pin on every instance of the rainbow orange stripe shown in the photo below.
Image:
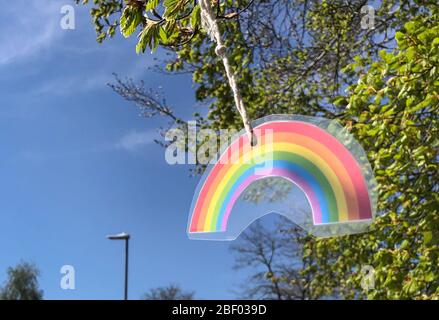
(301, 152)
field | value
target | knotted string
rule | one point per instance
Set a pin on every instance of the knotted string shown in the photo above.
(210, 24)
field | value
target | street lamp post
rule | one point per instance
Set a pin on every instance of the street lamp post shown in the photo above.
(126, 237)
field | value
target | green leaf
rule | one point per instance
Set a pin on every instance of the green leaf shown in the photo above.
(129, 21)
(149, 37)
(152, 4)
(405, 244)
(419, 106)
(173, 7)
(428, 236)
(410, 26)
(196, 16)
(399, 35)
(410, 54)
(383, 54)
(163, 35)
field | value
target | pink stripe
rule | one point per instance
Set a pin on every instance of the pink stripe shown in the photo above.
(338, 149)
(301, 183)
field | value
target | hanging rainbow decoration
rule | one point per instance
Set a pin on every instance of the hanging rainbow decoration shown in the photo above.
(302, 152)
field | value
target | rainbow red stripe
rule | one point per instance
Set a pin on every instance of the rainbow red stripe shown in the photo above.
(303, 153)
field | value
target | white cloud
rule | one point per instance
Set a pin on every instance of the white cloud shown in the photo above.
(27, 27)
(72, 84)
(86, 80)
(66, 62)
(135, 140)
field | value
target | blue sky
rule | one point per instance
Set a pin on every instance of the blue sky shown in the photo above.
(78, 163)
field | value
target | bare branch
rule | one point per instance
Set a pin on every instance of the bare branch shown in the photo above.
(150, 102)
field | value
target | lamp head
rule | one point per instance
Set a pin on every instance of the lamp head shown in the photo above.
(119, 236)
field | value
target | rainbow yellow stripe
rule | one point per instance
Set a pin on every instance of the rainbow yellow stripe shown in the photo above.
(301, 152)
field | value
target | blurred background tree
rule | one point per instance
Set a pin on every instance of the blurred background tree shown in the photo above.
(274, 254)
(22, 283)
(318, 58)
(170, 292)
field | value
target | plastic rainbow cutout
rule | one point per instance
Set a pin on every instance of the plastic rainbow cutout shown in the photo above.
(301, 152)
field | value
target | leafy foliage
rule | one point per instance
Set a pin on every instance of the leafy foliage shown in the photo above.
(393, 110)
(103, 16)
(168, 22)
(22, 283)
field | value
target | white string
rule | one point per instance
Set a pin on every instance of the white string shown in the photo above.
(210, 24)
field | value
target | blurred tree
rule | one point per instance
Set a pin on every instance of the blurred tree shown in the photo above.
(275, 255)
(22, 283)
(170, 292)
(316, 58)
